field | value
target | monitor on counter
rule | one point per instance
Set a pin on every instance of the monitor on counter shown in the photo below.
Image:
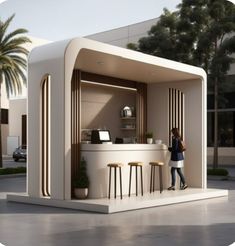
(104, 135)
(100, 136)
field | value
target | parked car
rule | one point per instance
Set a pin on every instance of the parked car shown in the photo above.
(20, 153)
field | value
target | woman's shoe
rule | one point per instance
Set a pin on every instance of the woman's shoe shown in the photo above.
(184, 187)
(171, 188)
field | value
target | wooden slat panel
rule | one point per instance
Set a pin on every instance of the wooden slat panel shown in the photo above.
(176, 111)
(75, 124)
(141, 112)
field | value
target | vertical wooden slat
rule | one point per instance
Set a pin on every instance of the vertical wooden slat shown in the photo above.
(75, 123)
(179, 109)
(175, 107)
(170, 114)
(176, 111)
(182, 115)
(141, 111)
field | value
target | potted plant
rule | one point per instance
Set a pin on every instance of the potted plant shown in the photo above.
(149, 136)
(81, 182)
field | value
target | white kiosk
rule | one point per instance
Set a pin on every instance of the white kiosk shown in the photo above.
(169, 94)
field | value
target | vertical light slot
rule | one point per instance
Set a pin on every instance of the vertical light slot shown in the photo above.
(45, 139)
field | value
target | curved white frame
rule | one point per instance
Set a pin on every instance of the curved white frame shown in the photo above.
(59, 59)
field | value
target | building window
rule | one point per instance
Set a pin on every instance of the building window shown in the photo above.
(4, 116)
(226, 127)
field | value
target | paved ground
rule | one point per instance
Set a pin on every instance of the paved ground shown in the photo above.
(207, 222)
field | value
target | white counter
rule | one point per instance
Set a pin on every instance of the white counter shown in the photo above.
(99, 155)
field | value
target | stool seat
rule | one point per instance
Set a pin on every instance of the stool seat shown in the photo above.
(115, 164)
(156, 163)
(135, 163)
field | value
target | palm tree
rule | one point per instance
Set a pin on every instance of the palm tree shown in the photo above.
(13, 62)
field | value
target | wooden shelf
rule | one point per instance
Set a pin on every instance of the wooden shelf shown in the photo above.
(128, 129)
(128, 118)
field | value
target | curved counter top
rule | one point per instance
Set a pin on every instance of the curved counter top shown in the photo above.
(122, 147)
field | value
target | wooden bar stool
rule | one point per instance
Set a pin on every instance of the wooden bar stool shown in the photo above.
(154, 164)
(115, 166)
(136, 164)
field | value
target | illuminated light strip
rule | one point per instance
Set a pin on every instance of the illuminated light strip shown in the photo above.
(107, 85)
(45, 140)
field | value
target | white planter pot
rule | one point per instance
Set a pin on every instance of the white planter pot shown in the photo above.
(149, 140)
(81, 193)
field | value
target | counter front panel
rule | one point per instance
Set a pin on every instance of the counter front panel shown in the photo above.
(99, 155)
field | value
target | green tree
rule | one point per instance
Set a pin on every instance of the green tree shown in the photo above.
(200, 33)
(13, 62)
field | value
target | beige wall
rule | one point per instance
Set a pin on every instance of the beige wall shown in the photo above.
(17, 109)
(101, 106)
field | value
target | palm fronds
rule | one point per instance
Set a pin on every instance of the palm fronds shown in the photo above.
(13, 57)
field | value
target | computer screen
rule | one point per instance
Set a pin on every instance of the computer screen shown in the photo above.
(104, 136)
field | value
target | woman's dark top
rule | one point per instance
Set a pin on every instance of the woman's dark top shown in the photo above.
(176, 154)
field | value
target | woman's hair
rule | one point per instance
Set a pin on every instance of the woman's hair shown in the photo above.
(175, 132)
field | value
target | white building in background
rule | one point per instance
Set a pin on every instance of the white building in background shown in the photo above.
(122, 36)
(4, 118)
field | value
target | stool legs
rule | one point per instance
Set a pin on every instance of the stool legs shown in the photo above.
(136, 180)
(120, 172)
(152, 179)
(109, 181)
(115, 181)
(136, 177)
(160, 179)
(130, 181)
(141, 172)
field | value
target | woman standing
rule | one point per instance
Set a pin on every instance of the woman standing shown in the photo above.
(177, 160)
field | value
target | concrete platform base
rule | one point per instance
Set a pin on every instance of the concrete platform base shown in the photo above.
(127, 203)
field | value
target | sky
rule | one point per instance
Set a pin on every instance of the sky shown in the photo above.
(59, 19)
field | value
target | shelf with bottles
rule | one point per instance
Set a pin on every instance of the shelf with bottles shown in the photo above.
(128, 126)
(128, 123)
